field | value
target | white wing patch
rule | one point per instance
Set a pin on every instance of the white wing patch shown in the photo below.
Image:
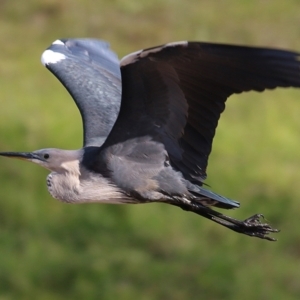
(51, 57)
(58, 42)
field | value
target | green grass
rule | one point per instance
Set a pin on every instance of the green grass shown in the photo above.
(50, 250)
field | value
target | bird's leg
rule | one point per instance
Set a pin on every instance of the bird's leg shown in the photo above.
(251, 226)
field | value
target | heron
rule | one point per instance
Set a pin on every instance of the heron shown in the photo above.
(149, 121)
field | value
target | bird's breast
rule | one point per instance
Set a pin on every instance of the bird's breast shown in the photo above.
(50, 187)
(71, 188)
(63, 186)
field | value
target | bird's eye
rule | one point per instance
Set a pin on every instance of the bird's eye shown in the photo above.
(46, 155)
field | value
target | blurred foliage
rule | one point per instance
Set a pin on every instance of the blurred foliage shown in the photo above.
(50, 250)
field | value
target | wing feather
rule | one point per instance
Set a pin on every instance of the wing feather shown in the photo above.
(175, 94)
(90, 72)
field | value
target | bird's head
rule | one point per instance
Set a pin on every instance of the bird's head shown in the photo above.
(56, 160)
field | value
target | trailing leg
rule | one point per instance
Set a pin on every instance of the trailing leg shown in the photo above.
(251, 226)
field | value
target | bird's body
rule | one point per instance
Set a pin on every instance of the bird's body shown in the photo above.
(149, 121)
(73, 181)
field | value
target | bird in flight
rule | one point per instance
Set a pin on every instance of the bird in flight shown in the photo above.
(149, 121)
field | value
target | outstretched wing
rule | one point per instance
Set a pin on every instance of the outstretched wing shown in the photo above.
(90, 71)
(175, 94)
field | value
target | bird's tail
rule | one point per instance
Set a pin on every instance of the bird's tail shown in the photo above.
(209, 198)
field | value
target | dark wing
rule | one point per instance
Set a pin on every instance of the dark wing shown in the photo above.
(175, 93)
(90, 71)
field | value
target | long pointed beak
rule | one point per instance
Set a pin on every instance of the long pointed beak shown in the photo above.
(20, 155)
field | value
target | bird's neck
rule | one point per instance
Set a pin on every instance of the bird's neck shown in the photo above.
(71, 168)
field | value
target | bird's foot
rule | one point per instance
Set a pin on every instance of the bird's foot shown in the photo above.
(251, 226)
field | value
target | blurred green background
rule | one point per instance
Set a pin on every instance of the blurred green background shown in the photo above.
(50, 250)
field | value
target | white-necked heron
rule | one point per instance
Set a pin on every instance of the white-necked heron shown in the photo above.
(149, 121)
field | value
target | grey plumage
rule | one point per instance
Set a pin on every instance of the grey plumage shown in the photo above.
(91, 74)
(149, 121)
